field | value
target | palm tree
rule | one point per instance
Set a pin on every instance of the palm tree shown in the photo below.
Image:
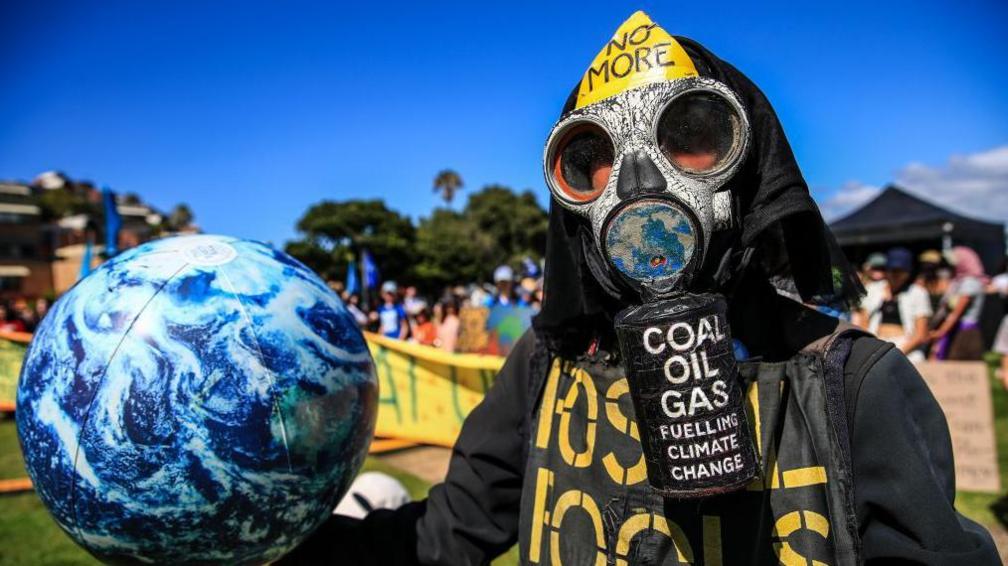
(447, 182)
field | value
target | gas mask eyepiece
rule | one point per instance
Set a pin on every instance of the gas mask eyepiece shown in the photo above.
(582, 162)
(700, 132)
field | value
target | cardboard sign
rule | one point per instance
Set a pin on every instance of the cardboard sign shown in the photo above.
(963, 391)
(473, 336)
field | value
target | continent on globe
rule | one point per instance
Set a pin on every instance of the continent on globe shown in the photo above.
(196, 399)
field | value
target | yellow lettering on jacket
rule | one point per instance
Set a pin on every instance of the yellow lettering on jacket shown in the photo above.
(547, 406)
(540, 516)
(795, 521)
(619, 474)
(575, 498)
(582, 381)
(643, 521)
(549, 510)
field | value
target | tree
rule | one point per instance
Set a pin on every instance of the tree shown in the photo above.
(497, 226)
(448, 247)
(57, 203)
(515, 223)
(332, 232)
(323, 261)
(181, 216)
(447, 182)
(451, 251)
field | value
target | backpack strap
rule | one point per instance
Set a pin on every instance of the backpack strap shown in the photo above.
(847, 354)
(863, 356)
(823, 344)
(833, 349)
(852, 351)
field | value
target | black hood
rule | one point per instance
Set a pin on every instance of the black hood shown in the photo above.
(779, 237)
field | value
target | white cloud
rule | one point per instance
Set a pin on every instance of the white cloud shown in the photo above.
(974, 184)
(850, 196)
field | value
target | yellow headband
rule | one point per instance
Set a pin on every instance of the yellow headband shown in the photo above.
(639, 53)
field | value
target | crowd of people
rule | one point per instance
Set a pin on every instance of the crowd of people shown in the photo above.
(930, 306)
(403, 314)
(20, 315)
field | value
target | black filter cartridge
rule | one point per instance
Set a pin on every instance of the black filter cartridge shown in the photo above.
(684, 384)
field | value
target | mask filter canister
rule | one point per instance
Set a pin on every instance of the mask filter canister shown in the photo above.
(684, 384)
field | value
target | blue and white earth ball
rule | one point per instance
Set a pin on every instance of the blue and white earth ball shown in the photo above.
(196, 399)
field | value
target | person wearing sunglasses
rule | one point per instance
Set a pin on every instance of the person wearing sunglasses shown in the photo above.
(670, 405)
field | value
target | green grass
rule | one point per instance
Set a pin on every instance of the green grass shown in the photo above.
(29, 536)
(11, 465)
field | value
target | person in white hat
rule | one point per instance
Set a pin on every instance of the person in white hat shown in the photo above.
(391, 314)
(503, 278)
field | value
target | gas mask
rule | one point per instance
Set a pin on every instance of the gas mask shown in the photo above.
(646, 167)
(644, 158)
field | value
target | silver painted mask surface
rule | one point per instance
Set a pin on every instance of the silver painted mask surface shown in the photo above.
(653, 217)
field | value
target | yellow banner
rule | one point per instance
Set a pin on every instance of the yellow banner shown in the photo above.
(12, 351)
(426, 393)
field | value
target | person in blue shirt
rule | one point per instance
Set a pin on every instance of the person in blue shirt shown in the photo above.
(391, 314)
(504, 280)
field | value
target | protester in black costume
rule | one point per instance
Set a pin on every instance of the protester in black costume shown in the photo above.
(854, 457)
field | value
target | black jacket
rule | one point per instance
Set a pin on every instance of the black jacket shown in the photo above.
(901, 453)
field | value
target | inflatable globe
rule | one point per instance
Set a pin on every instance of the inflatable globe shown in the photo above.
(196, 399)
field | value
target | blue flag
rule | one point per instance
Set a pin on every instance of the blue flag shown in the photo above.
(371, 275)
(352, 280)
(113, 222)
(85, 267)
(531, 267)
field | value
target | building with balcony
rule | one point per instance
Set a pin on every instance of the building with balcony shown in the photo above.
(45, 226)
(25, 250)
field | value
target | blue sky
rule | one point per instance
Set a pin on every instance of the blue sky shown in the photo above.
(251, 111)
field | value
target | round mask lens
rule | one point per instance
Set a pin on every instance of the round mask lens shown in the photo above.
(582, 163)
(698, 131)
